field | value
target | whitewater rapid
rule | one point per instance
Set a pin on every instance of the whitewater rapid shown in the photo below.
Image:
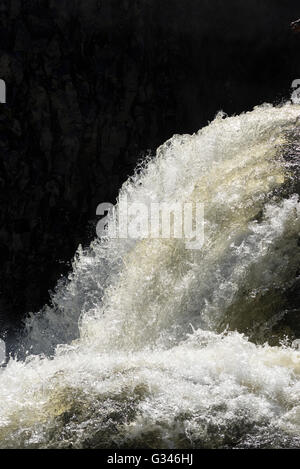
(149, 344)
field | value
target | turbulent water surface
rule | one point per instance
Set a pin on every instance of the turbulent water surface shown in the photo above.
(149, 344)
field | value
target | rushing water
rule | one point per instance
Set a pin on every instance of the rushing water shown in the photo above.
(149, 344)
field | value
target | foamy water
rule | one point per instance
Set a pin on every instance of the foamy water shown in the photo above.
(149, 344)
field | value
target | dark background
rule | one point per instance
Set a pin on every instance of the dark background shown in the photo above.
(94, 84)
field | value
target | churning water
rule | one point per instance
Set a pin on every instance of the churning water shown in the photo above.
(148, 344)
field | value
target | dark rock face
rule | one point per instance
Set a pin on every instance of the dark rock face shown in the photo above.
(91, 85)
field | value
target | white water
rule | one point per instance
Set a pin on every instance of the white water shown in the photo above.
(152, 351)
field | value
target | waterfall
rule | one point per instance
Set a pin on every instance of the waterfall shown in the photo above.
(151, 344)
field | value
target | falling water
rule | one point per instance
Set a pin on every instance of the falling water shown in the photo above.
(149, 344)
